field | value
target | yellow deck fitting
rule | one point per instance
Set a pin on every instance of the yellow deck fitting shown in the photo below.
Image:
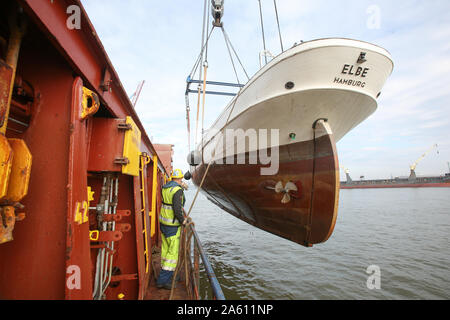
(94, 235)
(90, 103)
(131, 149)
(20, 171)
(6, 159)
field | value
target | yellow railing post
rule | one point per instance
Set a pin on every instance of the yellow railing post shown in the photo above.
(154, 185)
(145, 159)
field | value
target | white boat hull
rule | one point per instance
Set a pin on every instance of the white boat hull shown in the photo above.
(324, 87)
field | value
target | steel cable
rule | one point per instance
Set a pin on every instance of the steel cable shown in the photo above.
(231, 45)
(278, 23)
(262, 28)
(231, 57)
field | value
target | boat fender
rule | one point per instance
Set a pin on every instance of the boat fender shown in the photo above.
(194, 158)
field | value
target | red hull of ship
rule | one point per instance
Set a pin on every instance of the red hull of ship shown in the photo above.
(52, 255)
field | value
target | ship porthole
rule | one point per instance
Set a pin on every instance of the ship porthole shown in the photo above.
(289, 85)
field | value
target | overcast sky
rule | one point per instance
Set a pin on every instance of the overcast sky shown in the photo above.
(159, 41)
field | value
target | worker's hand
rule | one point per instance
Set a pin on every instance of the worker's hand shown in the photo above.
(184, 222)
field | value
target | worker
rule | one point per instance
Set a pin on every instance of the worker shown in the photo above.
(171, 218)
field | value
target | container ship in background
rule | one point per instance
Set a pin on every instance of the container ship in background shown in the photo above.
(413, 181)
(399, 182)
(80, 179)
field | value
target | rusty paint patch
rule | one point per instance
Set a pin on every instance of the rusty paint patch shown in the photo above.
(68, 252)
(69, 230)
(7, 222)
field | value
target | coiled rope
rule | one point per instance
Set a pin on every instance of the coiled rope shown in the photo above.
(183, 256)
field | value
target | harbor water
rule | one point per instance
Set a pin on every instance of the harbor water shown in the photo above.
(399, 236)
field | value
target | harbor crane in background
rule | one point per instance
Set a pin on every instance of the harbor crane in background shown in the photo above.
(412, 175)
(347, 175)
(134, 98)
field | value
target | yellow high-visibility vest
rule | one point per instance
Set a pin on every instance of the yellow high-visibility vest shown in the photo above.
(167, 215)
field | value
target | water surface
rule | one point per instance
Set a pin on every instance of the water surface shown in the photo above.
(405, 232)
